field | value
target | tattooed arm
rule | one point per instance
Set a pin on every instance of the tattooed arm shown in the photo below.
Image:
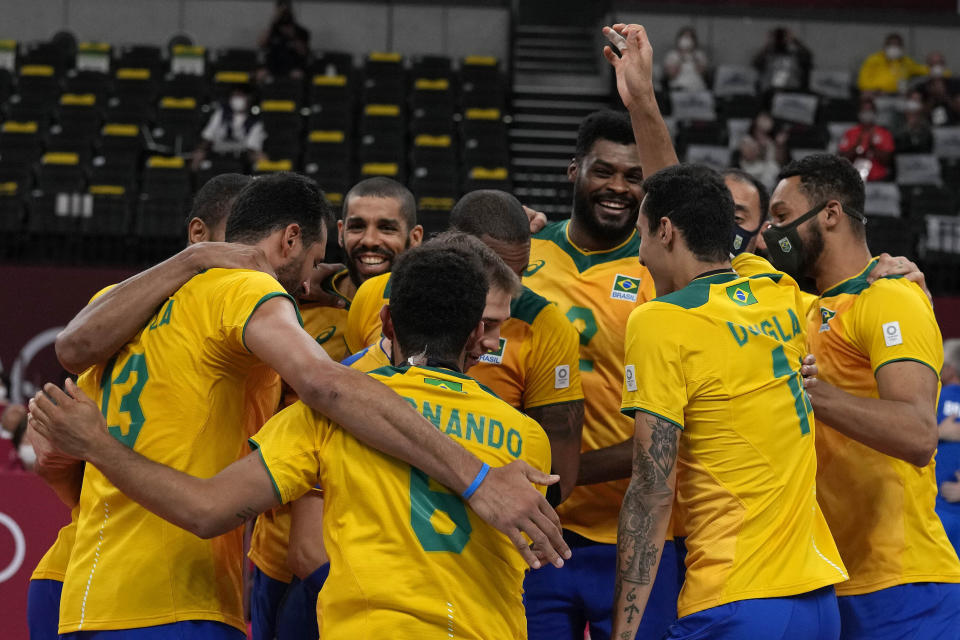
(644, 518)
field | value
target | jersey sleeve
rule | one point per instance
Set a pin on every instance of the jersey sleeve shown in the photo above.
(242, 294)
(553, 370)
(538, 454)
(895, 322)
(291, 446)
(363, 319)
(654, 380)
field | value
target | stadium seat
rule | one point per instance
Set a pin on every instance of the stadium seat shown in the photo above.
(135, 95)
(492, 177)
(186, 86)
(122, 143)
(799, 108)
(224, 82)
(333, 178)
(282, 89)
(929, 199)
(698, 106)
(38, 90)
(178, 124)
(78, 124)
(236, 59)
(331, 63)
(110, 216)
(188, 59)
(164, 198)
(96, 83)
(328, 146)
(49, 54)
(284, 127)
(482, 85)
(735, 88)
(913, 169)
(61, 172)
(141, 56)
(109, 174)
(428, 66)
(20, 142)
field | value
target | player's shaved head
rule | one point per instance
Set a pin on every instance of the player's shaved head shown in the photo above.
(214, 200)
(493, 213)
(437, 297)
(273, 202)
(498, 274)
(380, 187)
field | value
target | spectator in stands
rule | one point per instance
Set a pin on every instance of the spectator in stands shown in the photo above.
(889, 70)
(948, 451)
(937, 65)
(233, 129)
(868, 145)
(762, 148)
(914, 134)
(685, 66)
(783, 63)
(938, 93)
(285, 43)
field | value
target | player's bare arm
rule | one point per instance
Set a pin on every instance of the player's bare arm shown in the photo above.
(901, 423)
(634, 71)
(206, 507)
(106, 324)
(644, 518)
(563, 423)
(62, 473)
(605, 464)
(378, 417)
(306, 551)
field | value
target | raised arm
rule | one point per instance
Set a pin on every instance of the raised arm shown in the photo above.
(644, 518)
(206, 507)
(634, 71)
(901, 423)
(380, 418)
(563, 423)
(110, 321)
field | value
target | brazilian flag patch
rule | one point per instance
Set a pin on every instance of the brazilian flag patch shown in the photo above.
(495, 357)
(449, 385)
(741, 294)
(625, 288)
(826, 315)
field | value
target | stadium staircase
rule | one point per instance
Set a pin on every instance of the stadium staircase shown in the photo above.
(559, 77)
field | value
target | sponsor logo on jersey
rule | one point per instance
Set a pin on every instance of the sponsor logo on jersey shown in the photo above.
(326, 334)
(891, 334)
(533, 267)
(826, 315)
(741, 294)
(561, 377)
(625, 288)
(495, 357)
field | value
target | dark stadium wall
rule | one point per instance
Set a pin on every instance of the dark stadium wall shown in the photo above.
(359, 27)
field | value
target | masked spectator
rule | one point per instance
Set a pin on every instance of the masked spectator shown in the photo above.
(233, 129)
(686, 64)
(783, 63)
(889, 70)
(914, 134)
(868, 145)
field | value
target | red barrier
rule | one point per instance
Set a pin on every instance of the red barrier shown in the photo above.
(30, 516)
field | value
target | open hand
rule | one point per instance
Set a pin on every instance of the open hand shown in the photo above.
(634, 65)
(507, 500)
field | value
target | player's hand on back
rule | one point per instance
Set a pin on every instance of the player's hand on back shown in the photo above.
(809, 371)
(887, 265)
(313, 290)
(507, 500)
(228, 255)
(69, 420)
(634, 65)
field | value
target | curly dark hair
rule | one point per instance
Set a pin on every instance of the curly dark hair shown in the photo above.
(274, 201)
(437, 296)
(603, 125)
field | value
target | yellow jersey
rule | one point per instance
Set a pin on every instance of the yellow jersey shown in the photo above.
(596, 291)
(537, 363)
(880, 509)
(720, 359)
(363, 321)
(175, 394)
(271, 532)
(373, 357)
(408, 559)
(53, 564)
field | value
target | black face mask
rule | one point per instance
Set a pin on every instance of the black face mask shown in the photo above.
(741, 238)
(786, 248)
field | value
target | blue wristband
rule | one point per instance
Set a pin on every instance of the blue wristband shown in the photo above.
(472, 489)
